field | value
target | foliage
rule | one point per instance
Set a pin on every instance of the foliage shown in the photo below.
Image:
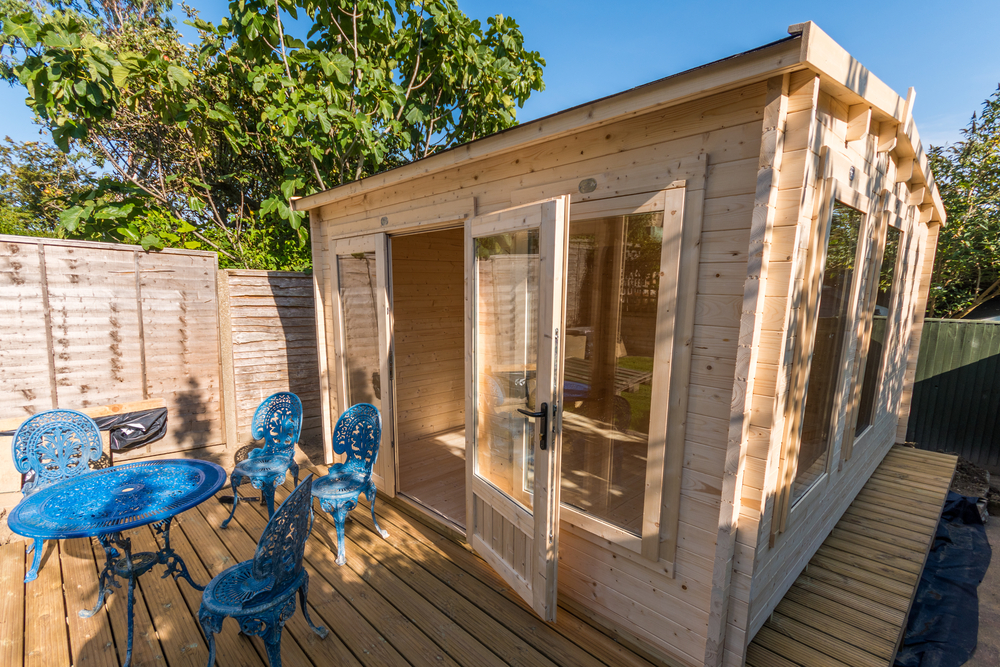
(216, 138)
(35, 181)
(967, 266)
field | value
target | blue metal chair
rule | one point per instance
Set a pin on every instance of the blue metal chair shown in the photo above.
(50, 447)
(357, 435)
(260, 593)
(278, 420)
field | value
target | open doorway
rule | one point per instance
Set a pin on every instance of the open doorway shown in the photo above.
(428, 294)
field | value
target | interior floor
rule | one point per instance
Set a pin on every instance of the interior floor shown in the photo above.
(432, 472)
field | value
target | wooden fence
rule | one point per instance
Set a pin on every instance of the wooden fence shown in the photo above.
(956, 392)
(269, 344)
(88, 324)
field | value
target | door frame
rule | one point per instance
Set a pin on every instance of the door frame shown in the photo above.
(384, 472)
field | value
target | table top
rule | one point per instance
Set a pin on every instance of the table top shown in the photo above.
(116, 499)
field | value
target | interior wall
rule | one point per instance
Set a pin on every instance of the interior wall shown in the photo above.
(428, 290)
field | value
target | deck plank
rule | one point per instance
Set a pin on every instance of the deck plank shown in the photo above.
(46, 641)
(12, 603)
(416, 599)
(849, 606)
(90, 640)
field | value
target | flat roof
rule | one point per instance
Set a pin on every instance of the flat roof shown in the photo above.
(806, 47)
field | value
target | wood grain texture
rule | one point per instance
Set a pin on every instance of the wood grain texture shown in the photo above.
(849, 605)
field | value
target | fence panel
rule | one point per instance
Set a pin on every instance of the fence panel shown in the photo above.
(956, 392)
(88, 324)
(272, 320)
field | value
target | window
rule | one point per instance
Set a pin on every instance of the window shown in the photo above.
(832, 325)
(612, 298)
(874, 355)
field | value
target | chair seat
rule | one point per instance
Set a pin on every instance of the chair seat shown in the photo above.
(235, 592)
(265, 464)
(340, 482)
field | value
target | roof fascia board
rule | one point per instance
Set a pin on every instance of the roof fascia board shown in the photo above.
(835, 65)
(700, 82)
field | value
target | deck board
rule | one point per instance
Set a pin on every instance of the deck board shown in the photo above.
(849, 605)
(415, 599)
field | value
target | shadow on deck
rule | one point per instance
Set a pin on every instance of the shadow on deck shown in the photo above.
(848, 608)
(417, 598)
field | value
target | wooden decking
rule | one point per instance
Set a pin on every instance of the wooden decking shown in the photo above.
(417, 598)
(848, 608)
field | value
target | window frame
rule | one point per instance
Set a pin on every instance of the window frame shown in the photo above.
(886, 219)
(833, 188)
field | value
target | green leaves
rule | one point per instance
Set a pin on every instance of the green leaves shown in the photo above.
(967, 265)
(209, 143)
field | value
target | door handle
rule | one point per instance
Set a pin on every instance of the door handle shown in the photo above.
(544, 414)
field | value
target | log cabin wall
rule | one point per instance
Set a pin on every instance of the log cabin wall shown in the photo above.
(768, 558)
(635, 596)
(269, 337)
(428, 278)
(87, 324)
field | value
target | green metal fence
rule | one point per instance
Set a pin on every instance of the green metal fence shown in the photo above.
(956, 392)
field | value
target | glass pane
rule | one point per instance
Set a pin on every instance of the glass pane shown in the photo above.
(825, 370)
(357, 297)
(613, 279)
(507, 280)
(876, 347)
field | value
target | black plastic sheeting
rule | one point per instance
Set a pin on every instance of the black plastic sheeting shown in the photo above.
(943, 624)
(129, 430)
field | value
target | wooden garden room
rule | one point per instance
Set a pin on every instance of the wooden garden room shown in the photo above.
(643, 369)
(643, 355)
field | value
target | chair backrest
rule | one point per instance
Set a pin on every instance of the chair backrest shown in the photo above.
(281, 545)
(278, 420)
(357, 434)
(55, 445)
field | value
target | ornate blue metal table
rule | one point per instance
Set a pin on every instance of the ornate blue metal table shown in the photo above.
(105, 503)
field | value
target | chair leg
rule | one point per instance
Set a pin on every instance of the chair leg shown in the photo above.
(339, 517)
(303, 600)
(210, 624)
(274, 651)
(38, 547)
(268, 493)
(234, 481)
(295, 471)
(370, 494)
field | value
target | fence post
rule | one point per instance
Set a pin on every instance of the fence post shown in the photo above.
(228, 394)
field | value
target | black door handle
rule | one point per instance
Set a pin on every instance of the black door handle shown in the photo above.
(544, 414)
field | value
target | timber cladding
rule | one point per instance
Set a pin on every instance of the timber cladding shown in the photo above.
(88, 324)
(759, 149)
(272, 338)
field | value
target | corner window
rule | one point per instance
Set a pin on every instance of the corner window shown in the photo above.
(874, 354)
(826, 368)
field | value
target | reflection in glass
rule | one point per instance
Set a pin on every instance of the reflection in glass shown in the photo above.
(831, 329)
(875, 354)
(613, 278)
(507, 284)
(357, 297)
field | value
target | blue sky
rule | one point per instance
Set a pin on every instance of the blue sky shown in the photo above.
(947, 50)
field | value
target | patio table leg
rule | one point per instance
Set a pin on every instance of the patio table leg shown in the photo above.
(107, 576)
(167, 556)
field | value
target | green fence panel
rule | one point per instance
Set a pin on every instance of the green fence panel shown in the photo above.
(956, 392)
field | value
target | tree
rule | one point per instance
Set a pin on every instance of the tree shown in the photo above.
(967, 267)
(35, 180)
(216, 138)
